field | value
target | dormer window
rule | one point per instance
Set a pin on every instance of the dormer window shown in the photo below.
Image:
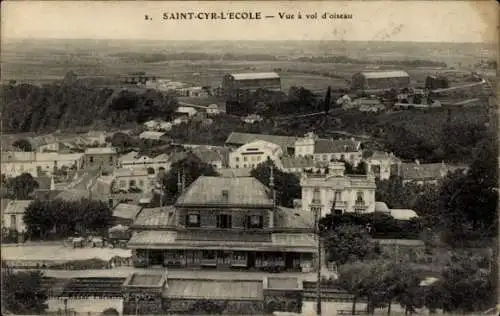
(193, 220)
(255, 221)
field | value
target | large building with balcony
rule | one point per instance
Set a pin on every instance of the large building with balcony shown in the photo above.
(225, 223)
(330, 190)
(254, 153)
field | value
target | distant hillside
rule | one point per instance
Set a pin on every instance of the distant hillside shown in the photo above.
(29, 108)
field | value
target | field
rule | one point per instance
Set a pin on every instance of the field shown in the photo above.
(45, 61)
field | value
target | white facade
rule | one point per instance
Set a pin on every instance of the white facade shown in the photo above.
(254, 153)
(381, 164)
(326, 149)
(126, 179)
(17, 163)
(12, 216)
(350, 193)
(133, 161)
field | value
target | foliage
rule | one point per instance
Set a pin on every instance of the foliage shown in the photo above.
(396, 195)
(361, 168)
(382, 225)
(189, 169)
(23, 144)
(22, 292)
(86, 264)
(464, 205)
(66, 217)
(465, 285)
(287, 185)
(349, 243)
(22, 186)
(29, 108)
(328, 100)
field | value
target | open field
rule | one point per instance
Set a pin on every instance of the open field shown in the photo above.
(44, 61)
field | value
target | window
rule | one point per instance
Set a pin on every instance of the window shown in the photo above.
(237, 166)
(244, 158)
(255, 221)
(122, 183)
(224, 221)
(253, 165)
(338, 195)
(13, 221)
(193, 220)
(316, 195)
(91, 159)
(131, 183)
(258, 158)
(325, 157)
(245, 165)
(359, 197)
(141, 183)
(237, 159)
(110, 158)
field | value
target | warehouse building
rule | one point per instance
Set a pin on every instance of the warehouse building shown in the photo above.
(236, 87)
(380, 80)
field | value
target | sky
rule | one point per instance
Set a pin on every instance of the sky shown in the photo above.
(421, 21)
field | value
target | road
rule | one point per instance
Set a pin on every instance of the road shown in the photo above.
(85, 176)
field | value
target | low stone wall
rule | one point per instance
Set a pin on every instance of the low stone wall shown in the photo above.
(86, 306)
(224, 307)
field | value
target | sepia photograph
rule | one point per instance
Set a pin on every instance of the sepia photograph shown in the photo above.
(266, 158)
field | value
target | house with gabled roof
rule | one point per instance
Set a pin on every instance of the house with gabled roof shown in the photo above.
(224, 223)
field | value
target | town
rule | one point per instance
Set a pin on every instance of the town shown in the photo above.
(251, 192)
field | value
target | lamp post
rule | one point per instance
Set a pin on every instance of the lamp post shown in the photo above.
(316, 208)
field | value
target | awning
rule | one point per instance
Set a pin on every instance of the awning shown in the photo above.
(168, 240)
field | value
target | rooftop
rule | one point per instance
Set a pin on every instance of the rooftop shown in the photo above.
(234, 172)
(128, 211)
(385, 74)
(245, 138)
(156, 217)
(129, 156)
(145, 280)
(428, 171)
(290, 218)
(100, 151)
(214, 289)
(325, 146)
(245, 191)
(16, 206)
(151, 135)
(255, 75)
(207, 155)
(130, 172)
(280, 283)
(403, 215)
(400, 242)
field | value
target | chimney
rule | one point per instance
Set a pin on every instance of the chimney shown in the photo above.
(179, 182)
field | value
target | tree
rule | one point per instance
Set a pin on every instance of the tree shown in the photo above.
(328, 100)
(349, 243)
(287, 185)
(23, 144)
(467, 284)
(22, 292)
(22, 186)
(66, 217)
(189, 168)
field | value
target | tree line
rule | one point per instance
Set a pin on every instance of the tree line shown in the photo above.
(30, 108)
(66, 218)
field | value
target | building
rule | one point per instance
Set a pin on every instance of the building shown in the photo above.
(299, 164)
(186, 111)
(327, 149)
(12, 215)
(236, 87)
(225, 223)
(125, 214)
(38, 164)
(382, 164)
(254, 153)
(330, 190)
(380, 81)
(428, 173)
(211, 157)
(436, 82)
(158, 125)
(151, 135)
(102, 156)
(133, 180)
(213, 109)
(287, 143)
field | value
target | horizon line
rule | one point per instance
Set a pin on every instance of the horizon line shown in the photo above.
(5, 39)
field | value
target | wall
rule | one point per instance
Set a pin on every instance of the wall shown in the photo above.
(232, 307)
(100, 159)
(19, 225)
(208, 216)
(87, 305)
(237, 158)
